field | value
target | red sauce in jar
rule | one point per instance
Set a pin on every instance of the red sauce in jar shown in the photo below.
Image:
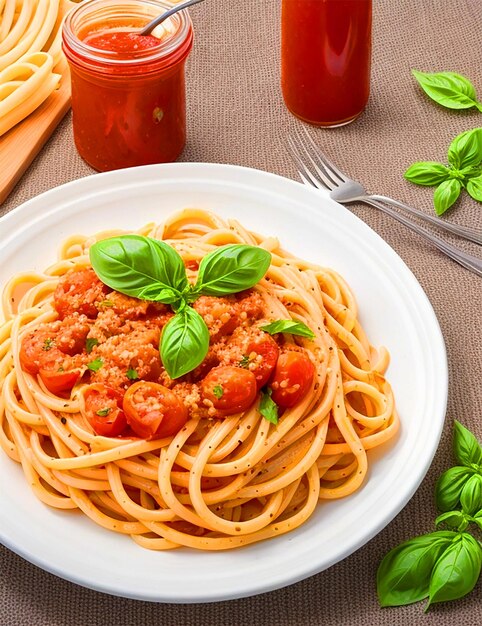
(122, 42)
(128, 90)
(325, 59)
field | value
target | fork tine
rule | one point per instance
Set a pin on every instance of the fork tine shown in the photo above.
(304, 160)
(303, 169)
(321, 158)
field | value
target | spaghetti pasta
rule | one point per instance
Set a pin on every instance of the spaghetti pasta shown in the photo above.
(217, 483)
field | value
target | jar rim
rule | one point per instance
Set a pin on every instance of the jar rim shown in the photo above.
(168, 45)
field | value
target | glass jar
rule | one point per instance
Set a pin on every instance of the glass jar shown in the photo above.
(325, 59)
(128, 102)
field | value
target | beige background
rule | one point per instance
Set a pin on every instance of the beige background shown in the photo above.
(236, 115)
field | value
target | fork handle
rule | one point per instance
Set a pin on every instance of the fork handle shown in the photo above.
(462, 231)
(468, 261)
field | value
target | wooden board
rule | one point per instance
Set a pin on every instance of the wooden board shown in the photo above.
(21, 144)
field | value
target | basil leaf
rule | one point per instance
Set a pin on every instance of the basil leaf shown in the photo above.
(471, 496)
(403, 576)
(477, 519)
(268, 407)
(474, 188)
(133, 265)
(446, 194)
(453, 519)
(288, 326)
(448, 89)
(184, 342)
(457, 570)
(466, 149)
(449, 487)
(231, 269)
(467, 449)
(427, 173)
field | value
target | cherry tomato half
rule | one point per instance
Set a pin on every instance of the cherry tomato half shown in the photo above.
(153, 410)
(103, 409)
(58, 381)
(292, 378)
(266, 355)
(35, 348)
(56, 372)
(230, 389)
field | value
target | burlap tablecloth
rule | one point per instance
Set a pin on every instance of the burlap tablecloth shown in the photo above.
(236, 115)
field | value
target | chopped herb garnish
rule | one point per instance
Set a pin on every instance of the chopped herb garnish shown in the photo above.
(103, 412)
(244, 362)
(106, 303)
(90, 343)
(48, 344)
(132, 374)
(218, 391)
(268, 407)
(95, 365)
(61, 369)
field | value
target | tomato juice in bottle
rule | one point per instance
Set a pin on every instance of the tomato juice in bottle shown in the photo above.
(325, 59)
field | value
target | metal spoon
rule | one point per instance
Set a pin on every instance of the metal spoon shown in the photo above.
(147, 30)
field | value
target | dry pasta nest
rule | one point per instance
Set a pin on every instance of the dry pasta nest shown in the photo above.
(30, 49)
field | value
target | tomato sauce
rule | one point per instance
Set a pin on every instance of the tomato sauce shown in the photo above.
(128, 90)
(108, 343)
(325, 59)
(122, 42)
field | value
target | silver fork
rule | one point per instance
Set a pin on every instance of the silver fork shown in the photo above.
(316, 170)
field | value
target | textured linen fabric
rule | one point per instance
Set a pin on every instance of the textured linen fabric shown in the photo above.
(236, 115)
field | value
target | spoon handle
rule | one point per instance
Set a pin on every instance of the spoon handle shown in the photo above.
(147, 30)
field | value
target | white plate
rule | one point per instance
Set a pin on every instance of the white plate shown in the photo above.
(393, 309)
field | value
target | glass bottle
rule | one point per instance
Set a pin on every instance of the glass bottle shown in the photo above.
(325, 59)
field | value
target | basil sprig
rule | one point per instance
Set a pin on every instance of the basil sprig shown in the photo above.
(448, 89)
(446, 564)
(451, 484)
(288, 326)
(464, 171)
(152, 270)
